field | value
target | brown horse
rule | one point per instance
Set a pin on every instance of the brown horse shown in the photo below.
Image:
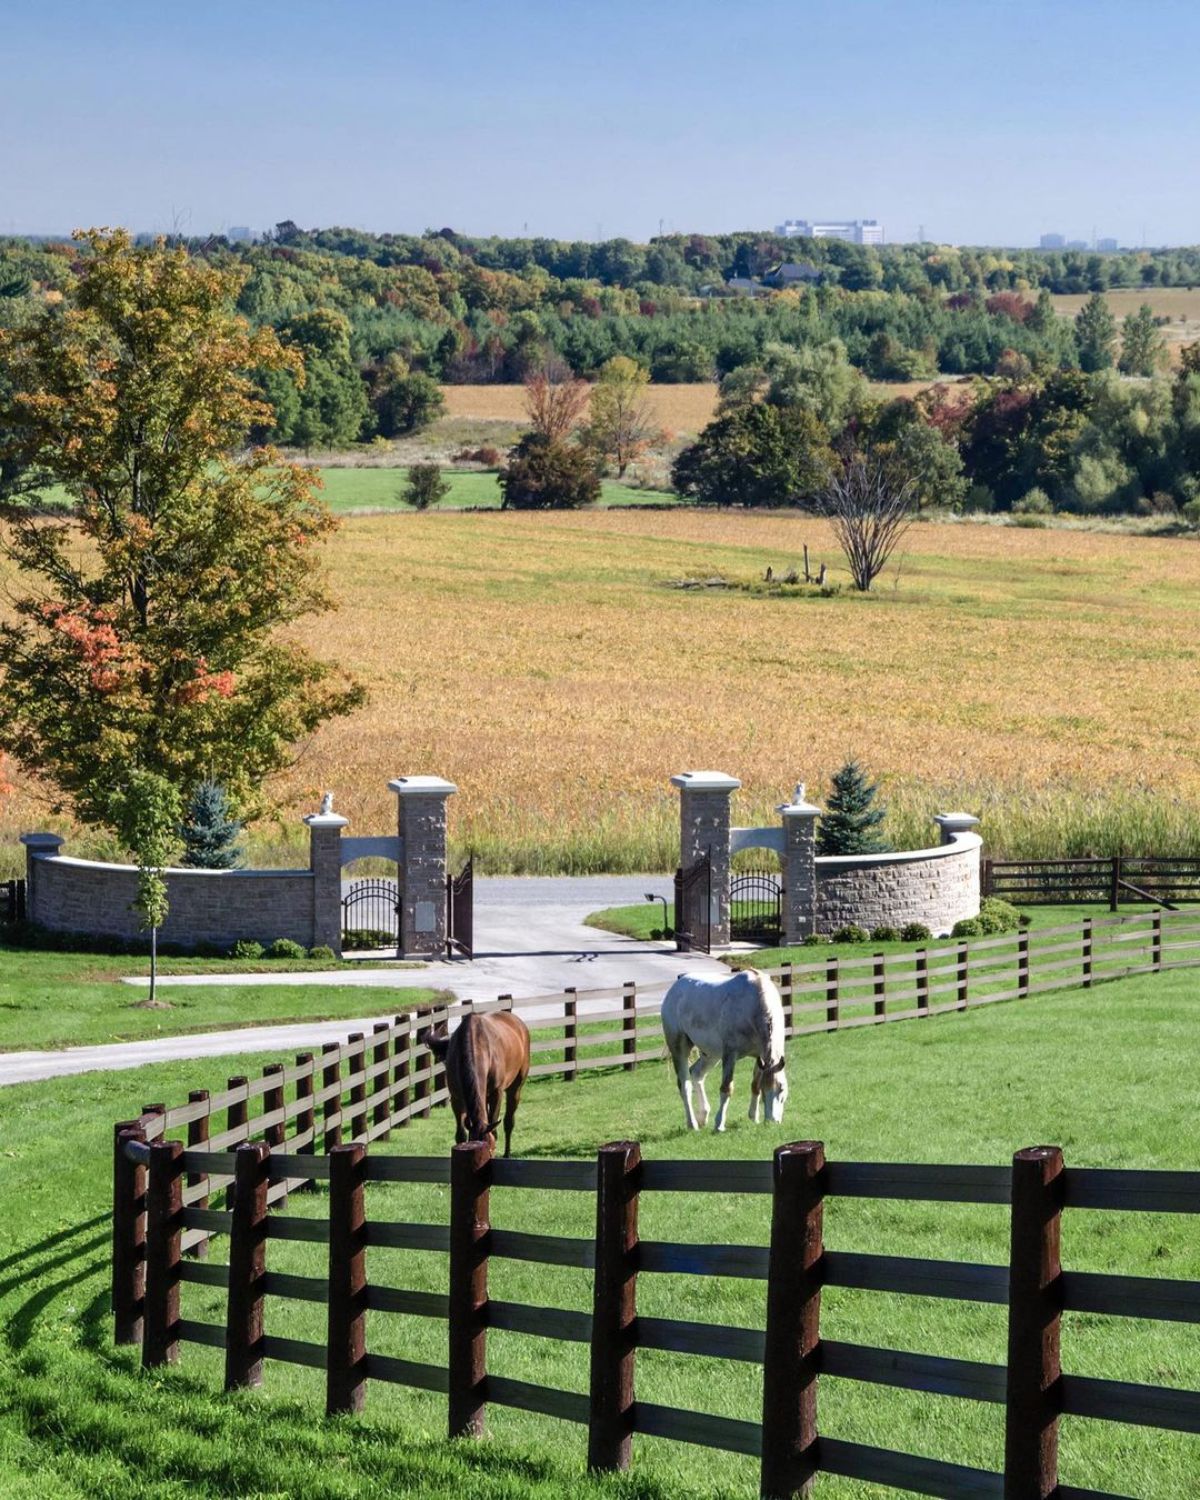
(486, 1057)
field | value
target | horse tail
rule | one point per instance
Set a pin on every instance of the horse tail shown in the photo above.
(472, 1079)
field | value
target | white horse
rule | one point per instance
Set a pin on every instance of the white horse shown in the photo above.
(726, 1018)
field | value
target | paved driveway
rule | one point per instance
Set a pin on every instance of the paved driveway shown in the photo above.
(530, 941)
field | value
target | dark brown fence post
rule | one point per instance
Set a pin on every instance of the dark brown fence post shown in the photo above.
(1023, 963)
(962, 976)
(331, 1078)
(247, 1266)
(346, 1359)
(470, 1229)
(1156, 940)
(1114, 887)
(570, 1035)
(880, 986)
(236, 1117)
(1034, 1304)
(987, 877)
(356, 1104)
(306, 1118)
(273, 1103)
(1087, 953)
(381, 1084)
(614, 1305)
(422, 1087)
(197, 1139)
(629, 1025)
(401, 1055)
(164, 1223)
(789, 1431)
(129, 1235)
(786, 982)
(922, 979)
(832, 1004)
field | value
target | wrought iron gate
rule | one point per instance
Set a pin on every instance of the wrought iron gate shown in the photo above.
(460, 911)
(12, 901)
(371, 915)
(756, 907)
(693, 907)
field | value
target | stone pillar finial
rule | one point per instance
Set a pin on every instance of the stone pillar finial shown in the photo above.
(954, 823)
(799, 866)
(704, 798)
(421, 876)
(325, 862)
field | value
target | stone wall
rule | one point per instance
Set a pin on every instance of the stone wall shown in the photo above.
(935, 886)
(207, 906)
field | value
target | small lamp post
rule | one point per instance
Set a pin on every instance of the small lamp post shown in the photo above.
(666, 926)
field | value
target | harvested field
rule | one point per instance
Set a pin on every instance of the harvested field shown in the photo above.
(1047, 679)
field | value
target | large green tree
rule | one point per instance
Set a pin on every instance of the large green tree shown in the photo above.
(148, 636)
(758, 455)
(1143, 350)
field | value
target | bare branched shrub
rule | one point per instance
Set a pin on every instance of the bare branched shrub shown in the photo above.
(870, 507)
(555, 400)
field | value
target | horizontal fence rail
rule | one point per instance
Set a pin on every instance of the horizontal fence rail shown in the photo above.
(1115, 879)
(223, 1165)
(151, 1225)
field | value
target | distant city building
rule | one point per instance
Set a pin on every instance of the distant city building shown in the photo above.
(853, 231)
(1052, 241)
(1106, 244)
(240, 234)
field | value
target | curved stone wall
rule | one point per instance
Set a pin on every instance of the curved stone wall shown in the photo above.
(207, 906)
(936, 886)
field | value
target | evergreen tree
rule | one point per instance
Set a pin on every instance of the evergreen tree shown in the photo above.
(1143, 350)
(850, 817)
(1096, 331)
(209, 830)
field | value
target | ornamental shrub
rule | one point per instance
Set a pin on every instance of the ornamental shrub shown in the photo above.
(813, 940)
(286, 948)
(424, 486)
(246, 948)
(851, 933)
(322, 952)
(968, 927)
(915, 932)
(997, 915)
(885, 934)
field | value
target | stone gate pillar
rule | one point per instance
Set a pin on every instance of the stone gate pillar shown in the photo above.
(325, 862)
(704, 829)
(37, 845)
(799, 867)
(954, 823)
(422, 870)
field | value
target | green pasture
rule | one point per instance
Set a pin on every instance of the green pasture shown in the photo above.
(1108, 1074)
(382, 489)
(50, 1000)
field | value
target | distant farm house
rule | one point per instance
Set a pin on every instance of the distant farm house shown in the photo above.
(787, 274)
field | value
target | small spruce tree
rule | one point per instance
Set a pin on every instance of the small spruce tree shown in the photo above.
(209, 831)
(850, 819)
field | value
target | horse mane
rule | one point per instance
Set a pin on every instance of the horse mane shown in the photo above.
(776, 1027)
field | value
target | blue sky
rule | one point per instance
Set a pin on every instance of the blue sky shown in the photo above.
(985, 122)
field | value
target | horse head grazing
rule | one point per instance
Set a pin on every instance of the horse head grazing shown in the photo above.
(487, 1062)
(774, 1089)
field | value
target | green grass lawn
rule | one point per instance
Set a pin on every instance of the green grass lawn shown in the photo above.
(1108, 1074)
(380, 489)
(76, 999)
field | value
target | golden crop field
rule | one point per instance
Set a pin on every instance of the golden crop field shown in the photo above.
(1046, 679)
(679, 409)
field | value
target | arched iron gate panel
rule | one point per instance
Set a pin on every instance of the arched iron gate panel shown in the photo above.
(460, 911)
(371, 915)
(693, 907)
(756, 907)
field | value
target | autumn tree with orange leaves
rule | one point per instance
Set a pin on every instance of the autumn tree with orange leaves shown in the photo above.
(148, 640)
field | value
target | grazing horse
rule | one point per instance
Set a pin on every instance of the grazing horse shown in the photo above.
(486, 1057)
(727, 1018)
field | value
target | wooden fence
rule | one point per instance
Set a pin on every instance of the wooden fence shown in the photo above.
(225, 1164)
(1077, 882)
(160, 1185)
